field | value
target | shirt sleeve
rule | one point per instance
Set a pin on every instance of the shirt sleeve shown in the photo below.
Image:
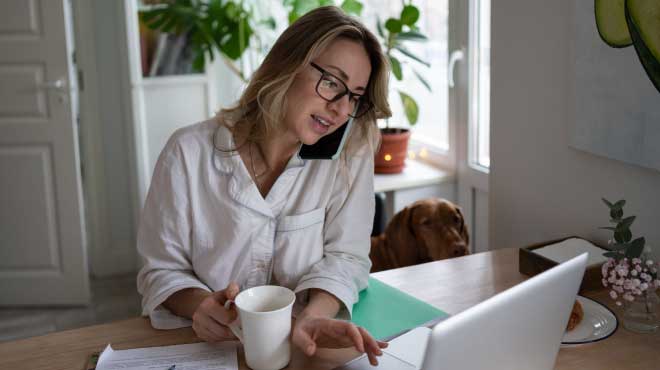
(344, 269)
(164, 238)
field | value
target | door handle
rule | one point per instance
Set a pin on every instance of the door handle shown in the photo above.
(60, 85)
(456, 56)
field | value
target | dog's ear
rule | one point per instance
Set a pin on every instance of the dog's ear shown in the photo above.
(463, 228)
(400, 238)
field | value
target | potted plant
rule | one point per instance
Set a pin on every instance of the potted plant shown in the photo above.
(224, 26)
(396, 34)
(631, 274)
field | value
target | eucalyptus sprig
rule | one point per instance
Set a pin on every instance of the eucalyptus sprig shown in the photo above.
(623, 245)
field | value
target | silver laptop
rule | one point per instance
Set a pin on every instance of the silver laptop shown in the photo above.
(520, 328)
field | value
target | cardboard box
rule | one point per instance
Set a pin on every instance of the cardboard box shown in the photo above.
(531, 264)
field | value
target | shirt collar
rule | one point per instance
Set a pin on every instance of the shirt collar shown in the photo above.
(223, 149)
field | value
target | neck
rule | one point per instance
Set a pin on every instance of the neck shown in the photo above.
(278, 148)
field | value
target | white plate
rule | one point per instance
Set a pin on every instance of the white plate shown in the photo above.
(597, 324)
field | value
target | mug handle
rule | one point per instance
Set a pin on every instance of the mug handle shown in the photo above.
(235, 328)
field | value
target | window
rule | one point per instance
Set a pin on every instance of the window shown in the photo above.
(431, 129)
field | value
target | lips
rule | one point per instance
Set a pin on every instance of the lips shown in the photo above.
(321, 125)
(323, 120)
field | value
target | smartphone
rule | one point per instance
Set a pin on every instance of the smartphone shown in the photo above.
(329, 146)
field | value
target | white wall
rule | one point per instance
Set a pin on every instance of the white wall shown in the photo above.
(112, 251)
(540, 188)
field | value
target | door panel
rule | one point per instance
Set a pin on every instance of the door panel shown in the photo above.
(42, 240)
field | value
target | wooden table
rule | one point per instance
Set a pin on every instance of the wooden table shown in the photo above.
(452, 285)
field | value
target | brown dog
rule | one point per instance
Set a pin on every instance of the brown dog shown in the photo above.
(427, 230)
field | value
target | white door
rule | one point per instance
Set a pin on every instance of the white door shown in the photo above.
(42, 248)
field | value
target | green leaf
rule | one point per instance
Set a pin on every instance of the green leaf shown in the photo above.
(396, 68)
(393, 25)
(198, 62)
(422, 80)
(409, 15)
(607, 202)
(410, 55)
(619, 204)
(636, 248)
(269, 23)
(622, 236)
(410, 108)
(293, 16)
(379, 28)
(352, 7)
(625, 223)
(616, 214)
(411, 36)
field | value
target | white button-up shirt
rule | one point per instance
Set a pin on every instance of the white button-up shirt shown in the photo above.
(205, 224)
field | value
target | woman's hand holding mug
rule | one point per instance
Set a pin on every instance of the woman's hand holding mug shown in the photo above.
(211, 319)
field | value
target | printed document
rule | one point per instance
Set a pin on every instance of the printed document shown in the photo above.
(196, 356)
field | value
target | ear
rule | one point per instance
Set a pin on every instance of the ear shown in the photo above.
(400, 238)
(463, 228)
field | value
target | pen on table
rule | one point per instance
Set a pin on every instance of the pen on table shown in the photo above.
(171, 367)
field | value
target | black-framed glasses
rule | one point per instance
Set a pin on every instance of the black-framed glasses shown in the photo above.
(331, 88)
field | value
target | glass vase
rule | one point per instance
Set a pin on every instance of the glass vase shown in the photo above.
(643, 314)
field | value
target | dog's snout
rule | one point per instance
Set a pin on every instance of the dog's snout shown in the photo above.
(460, 250)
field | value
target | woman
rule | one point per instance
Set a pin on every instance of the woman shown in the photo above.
(232, 206)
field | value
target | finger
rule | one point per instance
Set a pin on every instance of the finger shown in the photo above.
(220, 314)
(372, 359)
(214, 329)
(203, 333)
(304, 341)
(354, 333)
(230, 292)
(383, 344)
(370, 343)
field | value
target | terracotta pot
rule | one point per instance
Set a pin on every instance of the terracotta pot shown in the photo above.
(393, 150)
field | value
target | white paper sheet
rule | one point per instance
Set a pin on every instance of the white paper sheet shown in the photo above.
(196, 356)
(569, 248)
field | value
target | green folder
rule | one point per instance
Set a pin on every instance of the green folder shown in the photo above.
(385, 311)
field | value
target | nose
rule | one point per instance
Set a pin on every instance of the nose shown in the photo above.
(459, 249)
(341, 106)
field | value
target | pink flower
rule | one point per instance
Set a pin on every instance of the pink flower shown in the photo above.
(636, 261)
(628, 297)
(643, 286)
(633, 272)
(649, 263)
(618, 303)
(604, 282)
(613, 294)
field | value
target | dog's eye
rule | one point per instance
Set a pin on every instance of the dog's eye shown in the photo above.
(425, 221)
(457, 220)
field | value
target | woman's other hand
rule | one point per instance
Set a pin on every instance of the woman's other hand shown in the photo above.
(312, 332)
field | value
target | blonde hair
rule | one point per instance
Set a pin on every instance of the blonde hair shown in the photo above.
(262, 106)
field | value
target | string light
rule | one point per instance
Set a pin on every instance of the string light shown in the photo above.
(411, 154)
(388, 157)
(423, 153)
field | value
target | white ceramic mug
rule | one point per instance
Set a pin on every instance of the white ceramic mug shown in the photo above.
(264, 313)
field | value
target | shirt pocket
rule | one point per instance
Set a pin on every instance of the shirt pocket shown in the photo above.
(299, 245)
(301, 221)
